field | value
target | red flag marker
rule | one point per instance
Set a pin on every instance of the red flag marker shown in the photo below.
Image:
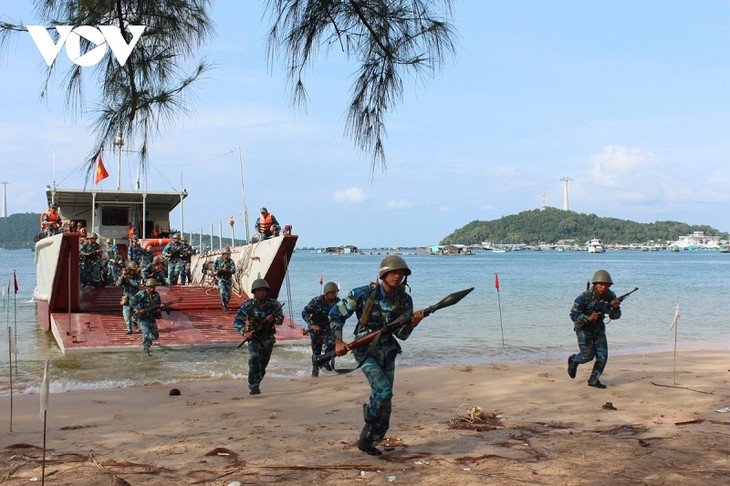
(15, 278)
(101, 172)
(496, 282)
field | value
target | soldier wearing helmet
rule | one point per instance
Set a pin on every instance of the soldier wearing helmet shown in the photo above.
(256, 321)
(114, 262)
(588, 314)
(376, 305)
(90, 262)
(173, 251)
(147, 309)
(315, 314)
(156, 270)
(129, 280)
(186, 255)
(224, 268)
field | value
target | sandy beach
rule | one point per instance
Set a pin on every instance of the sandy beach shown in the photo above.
(537, 426)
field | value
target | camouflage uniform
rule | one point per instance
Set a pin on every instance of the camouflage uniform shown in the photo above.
(224, 269)
(173, 252)
(378, 364)
(130, 283)
(113, 262)
(316, 312)
(186, 255)
(592, 335)
(150, 303)
(136, 254)
(156, 271)
(90, 263)
(251, 316)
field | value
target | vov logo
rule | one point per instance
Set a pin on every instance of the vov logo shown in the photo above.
(101, 35)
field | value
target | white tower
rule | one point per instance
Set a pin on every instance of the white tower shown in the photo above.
(565, 181)
(5, 198)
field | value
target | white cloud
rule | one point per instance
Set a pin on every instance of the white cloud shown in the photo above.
(350, 195)
(611, 164)
(400, 204)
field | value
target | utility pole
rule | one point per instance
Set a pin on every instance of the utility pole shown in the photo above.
(565, 181)
(5, 198)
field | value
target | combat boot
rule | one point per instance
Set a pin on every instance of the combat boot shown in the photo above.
(366, 441)
(572, 368)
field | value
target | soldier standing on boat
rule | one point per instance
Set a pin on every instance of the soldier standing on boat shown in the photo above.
(224, 268)
(587, 314)
(147, 307)
(256, 321)
(186, 255)
(376, 305)
(315, 314)
(130, 281)
(114, 261)
(173, 252)
(90, 262)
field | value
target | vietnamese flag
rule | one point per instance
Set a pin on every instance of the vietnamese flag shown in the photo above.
(496, 282)
(101, 172)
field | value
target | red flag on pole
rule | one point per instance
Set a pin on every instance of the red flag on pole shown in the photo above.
(320, 280)
(101, 172)
(15, 279)
(496, 282)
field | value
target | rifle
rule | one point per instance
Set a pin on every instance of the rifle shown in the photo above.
(164, 306)
(396, 323)
(245, 330)
(321, 320)
(605, 307)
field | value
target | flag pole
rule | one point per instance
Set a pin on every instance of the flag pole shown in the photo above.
(675, 325)
(15, 318)
(10, 370)
(499, 303)
(45, 389)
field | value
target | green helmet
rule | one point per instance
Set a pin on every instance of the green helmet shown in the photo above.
(132, 266)
(158, 259)
(176, 236)
(330, 287)
(602, 276)
(150, 282)
(393, 262)
(259, 283)
(109, 241)
(226, 250)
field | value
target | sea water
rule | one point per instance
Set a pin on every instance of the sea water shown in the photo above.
(527, 320)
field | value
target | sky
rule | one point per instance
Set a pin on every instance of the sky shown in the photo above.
(627, 100)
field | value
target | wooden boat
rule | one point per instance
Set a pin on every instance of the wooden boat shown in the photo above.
(87, 319)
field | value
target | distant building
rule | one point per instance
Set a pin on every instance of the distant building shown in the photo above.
(697, 239)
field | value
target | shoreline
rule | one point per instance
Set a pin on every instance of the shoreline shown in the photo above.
(550, 429)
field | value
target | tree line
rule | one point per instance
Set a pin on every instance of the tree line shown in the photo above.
(551, 225)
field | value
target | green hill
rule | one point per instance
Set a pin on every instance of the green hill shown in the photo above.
(18, 230)
(551, 225)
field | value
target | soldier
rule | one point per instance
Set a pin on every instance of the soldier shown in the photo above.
(114, 261)
(90, 262)
(315, 314)
(156, 270)
(130, 280)
(267, 225)
(173, 253)
(587, 314)
(50, 220)
(147, 306)
(255, 321)
(376, 305)
(186, 254)
(224, 269)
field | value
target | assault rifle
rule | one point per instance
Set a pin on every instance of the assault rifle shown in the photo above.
(605, 307)
(320, 319)
(246, 330)
(394, 325)
(163, 306)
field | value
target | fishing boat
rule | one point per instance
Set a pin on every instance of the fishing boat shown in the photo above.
(595, 245)
(89, 319)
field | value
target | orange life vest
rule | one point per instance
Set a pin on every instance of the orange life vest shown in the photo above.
(49, 218)
(265, 222)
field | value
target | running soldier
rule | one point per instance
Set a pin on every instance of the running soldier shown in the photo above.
(315, 314)
(224, 268)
